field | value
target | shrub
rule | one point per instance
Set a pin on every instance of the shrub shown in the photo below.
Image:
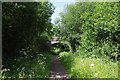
(34, 65)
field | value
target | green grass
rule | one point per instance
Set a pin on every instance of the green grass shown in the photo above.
(89, 67)
(29, 66)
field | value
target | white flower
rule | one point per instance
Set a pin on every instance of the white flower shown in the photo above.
(96, 74)
(81, 60)
(90, 57)
(91, 65)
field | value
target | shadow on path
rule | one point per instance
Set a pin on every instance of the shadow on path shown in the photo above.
(58, 71)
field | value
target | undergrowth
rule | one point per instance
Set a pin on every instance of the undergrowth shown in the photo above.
(34, 65)
(79, 67)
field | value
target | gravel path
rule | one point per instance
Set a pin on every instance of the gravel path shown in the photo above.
(58, 71)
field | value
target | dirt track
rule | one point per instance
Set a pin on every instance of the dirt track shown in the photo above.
(58, 71)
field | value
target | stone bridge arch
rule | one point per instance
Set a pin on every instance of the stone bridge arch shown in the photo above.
(58, 45)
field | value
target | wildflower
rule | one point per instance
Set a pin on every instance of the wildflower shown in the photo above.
(91, 65)
(81, 60)
(90, 57)
(96, 74)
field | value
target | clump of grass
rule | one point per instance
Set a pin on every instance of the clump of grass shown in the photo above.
(66, 59)
(35, 65)
(94, 68)
(89, 67)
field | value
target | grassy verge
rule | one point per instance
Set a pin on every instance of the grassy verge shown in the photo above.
(28, 66)
(89, 67)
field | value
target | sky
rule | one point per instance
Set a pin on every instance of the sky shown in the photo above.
(59, 7)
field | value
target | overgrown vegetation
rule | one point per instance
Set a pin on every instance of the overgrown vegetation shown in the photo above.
(25, 25)
(59, 47)
(92, 31)
(89, 44)
(92, 28)
(30, 65)
(79, 67)
(26, 31)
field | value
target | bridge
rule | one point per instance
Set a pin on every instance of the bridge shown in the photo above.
(55, 40)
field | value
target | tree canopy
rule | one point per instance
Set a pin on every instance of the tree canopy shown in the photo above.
(91, 28)
(25, 25)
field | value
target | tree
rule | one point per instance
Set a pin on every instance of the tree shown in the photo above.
(93, 26)
(23, 24)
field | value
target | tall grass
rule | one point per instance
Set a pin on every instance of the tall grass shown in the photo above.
(79, 67)
(35, 65)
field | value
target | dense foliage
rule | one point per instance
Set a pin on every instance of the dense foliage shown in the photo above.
(88, 32)
(33, 65)
(92, 29)
(25, 39)
(25, 25)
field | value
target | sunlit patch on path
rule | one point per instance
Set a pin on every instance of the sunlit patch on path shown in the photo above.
(58, 70)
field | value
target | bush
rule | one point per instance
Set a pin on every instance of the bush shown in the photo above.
(67, 59)
(34, 65)
(92, 26)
